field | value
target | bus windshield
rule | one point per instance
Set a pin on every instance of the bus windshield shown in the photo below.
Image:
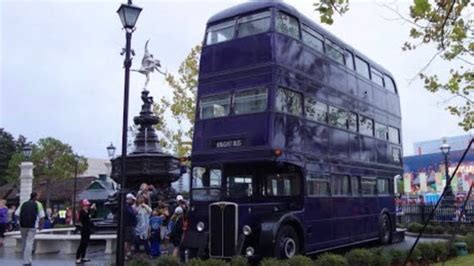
(206, 184)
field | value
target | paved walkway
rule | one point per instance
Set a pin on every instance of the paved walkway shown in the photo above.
(94, 252)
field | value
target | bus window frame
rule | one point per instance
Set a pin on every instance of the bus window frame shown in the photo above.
(323, 178)
(232, 107)
(238, 20)
(234, 35)
(275, 20)
(212, 95)
(390, 79)
(279, 87)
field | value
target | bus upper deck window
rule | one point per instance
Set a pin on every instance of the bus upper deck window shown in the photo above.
(389, 84)
(220, 32)
(313, 39)
(288, 25)
(362, 67)
(254, 24)
(215, 106)
(334, 51)
(349, 60)
(377, 77)
(289, 102)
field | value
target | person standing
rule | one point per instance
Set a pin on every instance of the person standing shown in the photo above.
(163, 211)
(156, 222)
(85, 214)
(12, 218)
(3, 220)
(176, 230)
(31, 215)
(129, 222)
(141, 230)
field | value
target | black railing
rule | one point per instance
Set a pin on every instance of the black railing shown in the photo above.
(418, 213)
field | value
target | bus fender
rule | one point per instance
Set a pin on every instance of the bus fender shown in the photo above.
(269, 230)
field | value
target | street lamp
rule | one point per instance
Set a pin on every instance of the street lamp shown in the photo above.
(77, 158)
(128, 15)
(111, 151)
(27, 150)
(449, 196)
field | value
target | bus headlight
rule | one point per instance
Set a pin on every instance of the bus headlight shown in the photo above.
(249, 251)
(200, 226)
(246, 230)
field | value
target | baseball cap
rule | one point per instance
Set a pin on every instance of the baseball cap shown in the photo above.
(179, 198)
(130, 196)
(85, 202)
(178, 210)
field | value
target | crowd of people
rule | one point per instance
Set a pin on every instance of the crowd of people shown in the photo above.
(153, 229)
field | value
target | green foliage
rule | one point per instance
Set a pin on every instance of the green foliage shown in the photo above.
(138, 262)
(329, 259)
(300, 260)
(429, 229)
(182, 106)
(415, 255)
(447, 26)
(273, 262)
(438, 229)
(238, 261)
(470, 242)
(360, 257)
(327, 8)
(7, 148)
(209, 262)
(415, 227)
(427, 252)
(381, 257)
(440, 249)
(397, 256)
(53, 160)
(167, 261)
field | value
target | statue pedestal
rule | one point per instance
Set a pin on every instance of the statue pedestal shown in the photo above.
(26, 181)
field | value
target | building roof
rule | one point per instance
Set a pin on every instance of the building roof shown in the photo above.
(95, 167)
(61, 190)
(432, 161)
(99, 189)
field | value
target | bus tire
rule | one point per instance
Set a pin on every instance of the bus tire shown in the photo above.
(385, 229)
(286, 243)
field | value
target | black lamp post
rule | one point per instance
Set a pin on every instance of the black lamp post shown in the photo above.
(449, 197)
(27, 150)
(77, 158)
(128, 15)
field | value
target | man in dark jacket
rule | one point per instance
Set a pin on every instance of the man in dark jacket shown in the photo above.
(129, 221)
(31, 215)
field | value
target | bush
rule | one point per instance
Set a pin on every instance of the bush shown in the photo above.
(196, 262)
(139, 262)
(329, 259)
(238, 261)
(415, 255)
(429, 229)
(427, 252)
(359, 257)
(397, 256)
(470, 242)
(300, 260)
(438, 229)
(380, 257)
(399, 225)
(415, 227)
(440, 249)
(167, 261)
(273, 262)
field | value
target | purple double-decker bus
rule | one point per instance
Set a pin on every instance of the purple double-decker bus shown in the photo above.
(296, 140)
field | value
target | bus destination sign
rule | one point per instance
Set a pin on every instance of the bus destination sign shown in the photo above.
(229, 143)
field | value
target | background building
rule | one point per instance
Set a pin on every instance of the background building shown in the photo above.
(457, 143)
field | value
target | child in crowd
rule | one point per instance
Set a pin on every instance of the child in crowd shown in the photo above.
(155, 224)
(176, 230)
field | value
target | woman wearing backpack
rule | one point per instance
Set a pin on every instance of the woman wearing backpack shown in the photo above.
(176, 230)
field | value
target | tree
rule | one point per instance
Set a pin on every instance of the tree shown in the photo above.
(53, 161)
(182, 106)
(7, 149)
(447, 25)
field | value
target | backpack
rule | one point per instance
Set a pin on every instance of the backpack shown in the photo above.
(28, 214)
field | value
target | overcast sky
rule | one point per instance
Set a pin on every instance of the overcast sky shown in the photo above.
(61, 71)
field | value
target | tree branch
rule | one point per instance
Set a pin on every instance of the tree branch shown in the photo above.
(424, 67)
(444, 22)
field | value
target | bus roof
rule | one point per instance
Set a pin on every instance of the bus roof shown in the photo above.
(256, 5)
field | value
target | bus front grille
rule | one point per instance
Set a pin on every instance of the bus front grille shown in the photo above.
(223, 227)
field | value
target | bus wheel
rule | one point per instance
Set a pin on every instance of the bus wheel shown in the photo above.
(385, 229)
(287, 243)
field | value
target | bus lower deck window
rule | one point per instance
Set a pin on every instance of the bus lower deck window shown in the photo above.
(215, 106)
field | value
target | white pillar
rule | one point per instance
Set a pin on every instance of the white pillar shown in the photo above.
(26, 181)
(108, 166)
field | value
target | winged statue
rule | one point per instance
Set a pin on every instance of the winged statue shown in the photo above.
(149, 65)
